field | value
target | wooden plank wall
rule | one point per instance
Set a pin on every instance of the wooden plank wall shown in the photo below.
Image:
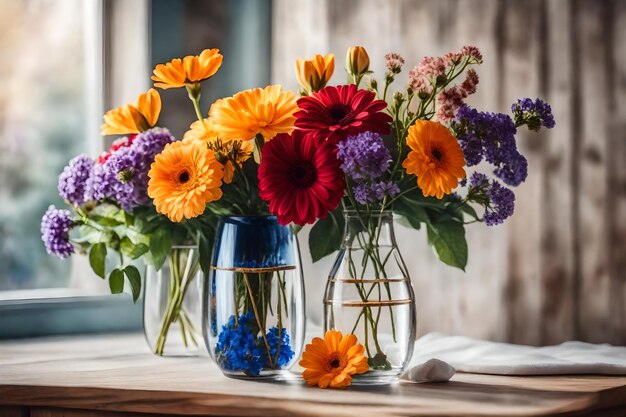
(557, 270)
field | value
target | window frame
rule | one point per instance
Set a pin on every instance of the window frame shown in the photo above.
(111, 82)
(45, 312)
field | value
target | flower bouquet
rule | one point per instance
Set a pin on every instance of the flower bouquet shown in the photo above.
(164, 201)
(349, 159)
(403, 155)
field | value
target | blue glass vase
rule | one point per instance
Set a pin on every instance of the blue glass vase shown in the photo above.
(253, 317)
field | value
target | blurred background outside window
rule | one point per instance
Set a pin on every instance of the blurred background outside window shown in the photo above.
(42, 125)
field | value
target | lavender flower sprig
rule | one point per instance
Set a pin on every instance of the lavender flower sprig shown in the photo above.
(55, 228)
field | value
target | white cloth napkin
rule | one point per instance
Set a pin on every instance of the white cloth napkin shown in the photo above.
(479, 356)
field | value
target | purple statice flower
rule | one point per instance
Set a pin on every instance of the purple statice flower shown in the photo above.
(502, 204)
(491, 136)
(364, 156)
(363, 193)
(515, 171)
(55, 228)
(371, 193)
(385, 189)
(533, 114)
(499, 201)
(72, 180)
(123, 177)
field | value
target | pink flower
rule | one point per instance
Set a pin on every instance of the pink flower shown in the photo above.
(425, 74)
(394, 62)
(470, 82)
(448, 102)
(472, 52)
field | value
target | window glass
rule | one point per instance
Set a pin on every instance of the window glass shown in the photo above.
(42, 121)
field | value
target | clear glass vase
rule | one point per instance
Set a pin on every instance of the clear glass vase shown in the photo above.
(172, 314)
(369, 294)
(253, 318)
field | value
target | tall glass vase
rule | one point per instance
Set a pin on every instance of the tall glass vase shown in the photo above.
(254, 298)
(369, 294)
(172, 315)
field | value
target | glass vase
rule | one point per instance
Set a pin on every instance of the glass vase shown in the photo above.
(172, 314)
(369, 294)
(253, 318)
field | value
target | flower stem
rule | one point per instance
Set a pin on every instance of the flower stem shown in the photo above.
(258, 319)
(174, 311)
(193, 90)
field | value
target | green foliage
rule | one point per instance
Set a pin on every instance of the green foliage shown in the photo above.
(116, 281)
(412, 214)
(160, 245)
(97, 258)
(134, 278)
(325, 236)
(133, 251)
(447, 238)
(444, 224)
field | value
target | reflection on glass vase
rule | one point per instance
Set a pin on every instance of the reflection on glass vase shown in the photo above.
(253, 318)
(172, 313)
(369, 294)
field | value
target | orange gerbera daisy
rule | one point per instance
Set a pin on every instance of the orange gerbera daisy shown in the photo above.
(267, 111)
(313, 74)
(201, 130)
(331, 362)
(184, 177)
(189, 70)
(435, 157)
(133, 118)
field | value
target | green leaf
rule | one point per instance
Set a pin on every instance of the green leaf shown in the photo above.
(160, 245)
(466, 208)
(116, 281)
(105, 221)
(134, 277)
(447, 239)
(412, 213)
(129, 219)
(133, 251)
(97, 258)
(326, 234)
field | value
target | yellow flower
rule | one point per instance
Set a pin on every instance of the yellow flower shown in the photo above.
(183, 178)
(133, 118)
(435, 157)
(189, 70)
(313, 74)
(357, 61)
(331, 362)
(201, 131)
(267, 111)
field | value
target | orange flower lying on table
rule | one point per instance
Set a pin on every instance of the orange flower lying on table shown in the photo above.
(331, 362)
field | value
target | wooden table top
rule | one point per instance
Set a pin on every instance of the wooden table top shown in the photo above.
(118, 373)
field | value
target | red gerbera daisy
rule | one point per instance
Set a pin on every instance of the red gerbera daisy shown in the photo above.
(300, 180)
(335, 113)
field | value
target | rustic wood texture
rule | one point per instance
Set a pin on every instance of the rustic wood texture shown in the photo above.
(114, 375)
(556, 271)
(13, 412)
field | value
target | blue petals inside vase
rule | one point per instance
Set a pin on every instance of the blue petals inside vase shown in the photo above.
(254, 298)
